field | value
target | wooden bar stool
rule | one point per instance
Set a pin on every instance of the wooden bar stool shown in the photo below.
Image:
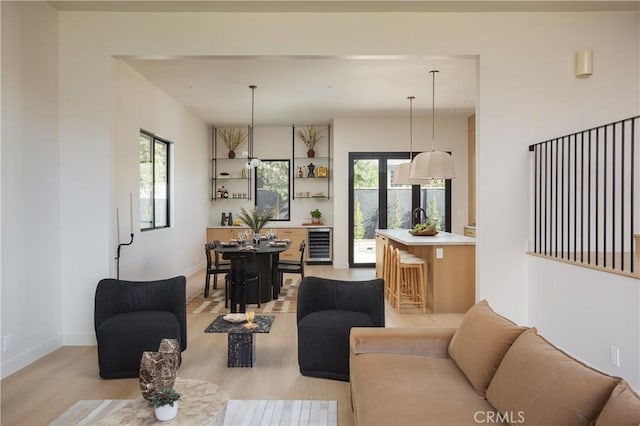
(408, 280)
(388, 271)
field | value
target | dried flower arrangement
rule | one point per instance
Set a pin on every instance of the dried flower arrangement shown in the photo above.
(232, 137)
(310, 135)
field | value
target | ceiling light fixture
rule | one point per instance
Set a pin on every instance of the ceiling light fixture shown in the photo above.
(403, 171)
(432, 164)
(252, 162)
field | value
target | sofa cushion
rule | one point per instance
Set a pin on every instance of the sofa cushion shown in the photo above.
(395, 389)
(480, 342)
(547, 386)
(622, 407)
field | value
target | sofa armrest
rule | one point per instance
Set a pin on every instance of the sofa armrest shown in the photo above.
(433, 342)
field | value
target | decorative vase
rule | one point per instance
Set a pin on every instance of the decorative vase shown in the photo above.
(166, 412)
(311, 168)
(232, 154)
(311, 153)
(315, 220)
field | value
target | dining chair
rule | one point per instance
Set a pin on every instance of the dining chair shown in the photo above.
(242, 279)
(215, 266)
(292, 266)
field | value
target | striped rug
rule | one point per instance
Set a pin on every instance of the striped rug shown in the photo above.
(281, 412)
(213, 304)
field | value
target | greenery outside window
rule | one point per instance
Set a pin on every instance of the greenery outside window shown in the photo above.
(154, 182)
(273, 188)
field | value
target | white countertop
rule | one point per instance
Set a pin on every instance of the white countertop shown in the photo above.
(440, 239)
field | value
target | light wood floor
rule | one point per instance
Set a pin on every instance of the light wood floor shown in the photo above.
(40, 392)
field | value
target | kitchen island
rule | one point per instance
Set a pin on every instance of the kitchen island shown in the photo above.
(451, 266)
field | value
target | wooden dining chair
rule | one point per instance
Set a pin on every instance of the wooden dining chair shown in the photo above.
(215, 266)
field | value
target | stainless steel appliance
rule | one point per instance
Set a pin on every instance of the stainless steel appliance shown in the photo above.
(319, 245)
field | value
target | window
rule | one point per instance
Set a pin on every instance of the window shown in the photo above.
(272, 188)
(154, 182)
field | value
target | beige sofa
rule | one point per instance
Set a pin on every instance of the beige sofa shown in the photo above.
(487, 371)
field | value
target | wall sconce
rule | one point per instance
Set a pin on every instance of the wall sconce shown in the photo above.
(584, 63)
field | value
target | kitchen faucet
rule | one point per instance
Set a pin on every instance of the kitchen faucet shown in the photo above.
(417, 215)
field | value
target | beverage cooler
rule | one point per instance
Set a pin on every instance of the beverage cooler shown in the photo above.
(319, 245)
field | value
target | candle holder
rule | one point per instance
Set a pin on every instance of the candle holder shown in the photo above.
(118, 255)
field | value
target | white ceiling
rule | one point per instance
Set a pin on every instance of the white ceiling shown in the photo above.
(303, 90)
(310, 90)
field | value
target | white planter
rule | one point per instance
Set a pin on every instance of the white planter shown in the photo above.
(166, 412)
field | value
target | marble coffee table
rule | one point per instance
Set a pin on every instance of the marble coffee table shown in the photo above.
(241, 345)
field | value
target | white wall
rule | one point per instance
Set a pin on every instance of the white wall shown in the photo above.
(31, 282)
(161, 253)
(585, 312)
(526, 93)
(370, 135)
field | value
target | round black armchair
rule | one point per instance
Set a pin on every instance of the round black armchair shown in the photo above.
(132, 317)
(327, 309)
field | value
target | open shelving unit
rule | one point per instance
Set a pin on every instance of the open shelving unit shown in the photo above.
(229, 171)
(311, 175)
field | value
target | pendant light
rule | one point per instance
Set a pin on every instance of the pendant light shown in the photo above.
(252, 162)
(403, 171)
(432, 164)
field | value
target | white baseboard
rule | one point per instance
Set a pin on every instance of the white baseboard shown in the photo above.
(79, 339)
(195, 269)
(21, 360)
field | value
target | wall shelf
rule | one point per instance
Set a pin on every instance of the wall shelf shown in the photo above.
(304, 185)
(237, 183)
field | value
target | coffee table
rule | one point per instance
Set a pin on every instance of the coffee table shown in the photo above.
(202, 403)
(241, 345)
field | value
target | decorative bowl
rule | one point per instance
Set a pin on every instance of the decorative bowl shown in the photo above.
(235, 318)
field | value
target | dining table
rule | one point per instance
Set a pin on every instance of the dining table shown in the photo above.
(247, 258)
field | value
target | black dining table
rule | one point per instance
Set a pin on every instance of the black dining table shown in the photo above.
(251, 258)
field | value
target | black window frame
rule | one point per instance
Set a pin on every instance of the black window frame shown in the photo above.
(153, 138)
(256, 189)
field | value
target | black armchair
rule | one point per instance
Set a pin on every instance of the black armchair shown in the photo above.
(132, 317)
(327, 309)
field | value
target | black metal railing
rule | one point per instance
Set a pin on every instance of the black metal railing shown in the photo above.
(584, 196)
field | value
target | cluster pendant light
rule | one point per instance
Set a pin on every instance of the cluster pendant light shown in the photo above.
(432, 164)
(403, 171)
(252, 162)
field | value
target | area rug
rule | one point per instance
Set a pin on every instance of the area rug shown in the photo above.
(286, 303)
(281, 412)
(238, 412)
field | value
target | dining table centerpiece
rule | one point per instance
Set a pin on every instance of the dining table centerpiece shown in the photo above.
(254, 219)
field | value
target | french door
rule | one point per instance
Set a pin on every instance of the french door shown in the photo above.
(376, 203)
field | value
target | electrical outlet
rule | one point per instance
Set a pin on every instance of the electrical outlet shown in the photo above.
(614, 354)
(439, 253)
(7, 343)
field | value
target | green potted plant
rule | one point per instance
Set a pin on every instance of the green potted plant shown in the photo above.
(254, 220)
(165, 403)
(315, 216)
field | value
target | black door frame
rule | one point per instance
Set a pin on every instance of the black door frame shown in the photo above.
(382, 158)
